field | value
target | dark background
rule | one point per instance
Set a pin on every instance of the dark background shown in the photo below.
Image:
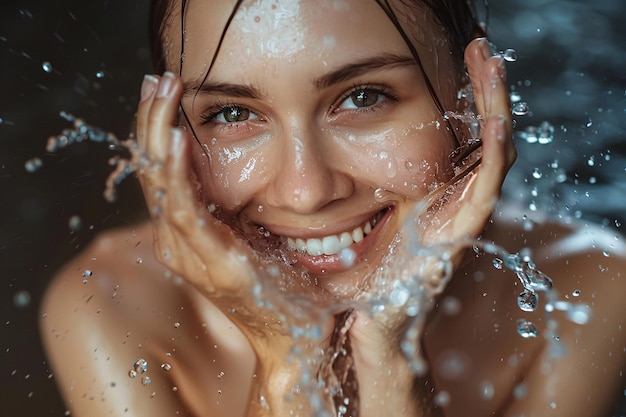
(570, 69)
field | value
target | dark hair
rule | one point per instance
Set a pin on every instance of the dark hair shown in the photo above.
(458, 17)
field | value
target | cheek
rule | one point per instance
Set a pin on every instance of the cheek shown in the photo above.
(230, 175)
(411, 162)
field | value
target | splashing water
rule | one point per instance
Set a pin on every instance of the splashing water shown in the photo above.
(81, 131)
(410, 277)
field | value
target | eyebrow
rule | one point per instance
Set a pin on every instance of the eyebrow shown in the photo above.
(227, 89)
(355, 69)
(341, 74)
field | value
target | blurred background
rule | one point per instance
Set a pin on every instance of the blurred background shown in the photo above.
(88, 59)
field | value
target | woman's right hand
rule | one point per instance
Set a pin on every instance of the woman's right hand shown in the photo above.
(195, 245)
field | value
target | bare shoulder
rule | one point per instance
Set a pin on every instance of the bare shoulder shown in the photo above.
(114, 305)
(477, 354)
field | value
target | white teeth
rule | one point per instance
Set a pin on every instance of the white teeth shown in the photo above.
(345, 240)
(357, 234)
(314, 247)
(333, 244)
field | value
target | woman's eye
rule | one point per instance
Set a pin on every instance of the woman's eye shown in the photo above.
(362, 98)
(233, 114)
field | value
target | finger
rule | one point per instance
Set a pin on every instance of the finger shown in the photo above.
(148, 91)
(484, 190)
(214, 243)
(162, 115)
(476, 54)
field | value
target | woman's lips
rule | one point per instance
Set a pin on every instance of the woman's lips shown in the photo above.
(336, 253)
(334, 244)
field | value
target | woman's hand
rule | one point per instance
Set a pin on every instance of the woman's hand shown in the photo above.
(206, 252)
(453, 215)
(461, 208)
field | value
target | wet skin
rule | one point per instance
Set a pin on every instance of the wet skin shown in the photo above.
(304, 115)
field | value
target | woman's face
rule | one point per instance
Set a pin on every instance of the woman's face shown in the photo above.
(310, 107)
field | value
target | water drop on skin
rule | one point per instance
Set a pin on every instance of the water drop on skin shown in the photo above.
(145, 381)
(487, 390)
(87, 273)
(47, 67)
(140, 366)
(166, 366)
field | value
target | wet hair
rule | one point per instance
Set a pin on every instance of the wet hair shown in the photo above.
(459, 18)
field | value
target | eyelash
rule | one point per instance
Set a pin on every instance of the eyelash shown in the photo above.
(382, 90)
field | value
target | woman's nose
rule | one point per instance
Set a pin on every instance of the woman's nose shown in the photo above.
(307, 176)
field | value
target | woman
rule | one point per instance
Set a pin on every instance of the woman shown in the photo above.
(281, 164)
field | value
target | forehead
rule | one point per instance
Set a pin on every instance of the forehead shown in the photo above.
(288, 29)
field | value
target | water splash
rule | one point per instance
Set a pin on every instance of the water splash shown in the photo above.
(129, 159)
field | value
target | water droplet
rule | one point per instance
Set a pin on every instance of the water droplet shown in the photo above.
(527, 300)
(442, 398)
(132, 373)
(347, 257)
(520, 391)
(75, 223)
(487, 390)
(140, 366)
(579, 314)
(176, 325)
(21, 299)
(146, 381)
(509, 55)
(399, 295)
(166, 366)
(220, 375)
(515, 96)
(591, 161)
(537, 174)
(576, 293)
(100, 74)
(139, 260)
(47, 67)
(33, 164)
(87, 273)
(520, 108)
(451, 306)
(498, 263)
(526, 329)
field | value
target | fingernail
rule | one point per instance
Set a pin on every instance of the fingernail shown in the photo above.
(165, 86)
(148, 86)
(485, 48)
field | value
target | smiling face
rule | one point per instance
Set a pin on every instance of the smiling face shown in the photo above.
(309, 108)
